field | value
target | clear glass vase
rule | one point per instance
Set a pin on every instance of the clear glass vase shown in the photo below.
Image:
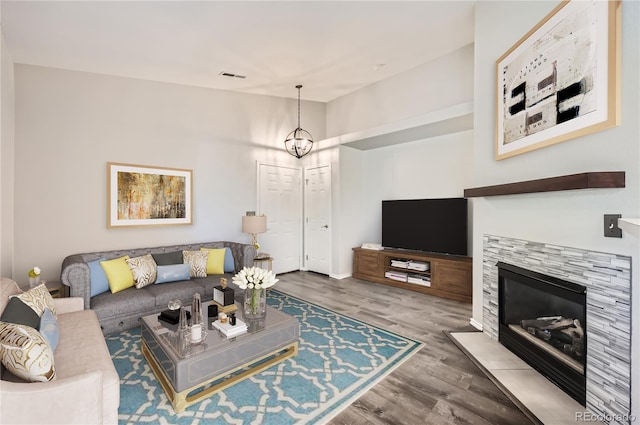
(255, 303)
(34, 281)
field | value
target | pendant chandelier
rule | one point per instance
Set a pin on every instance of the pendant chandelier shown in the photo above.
(299, 142)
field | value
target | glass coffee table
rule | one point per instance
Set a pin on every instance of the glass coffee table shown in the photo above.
(190, 376)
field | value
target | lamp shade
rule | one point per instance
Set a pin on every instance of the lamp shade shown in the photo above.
(254, 223)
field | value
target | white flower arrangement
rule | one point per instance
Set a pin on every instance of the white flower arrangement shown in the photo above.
(35, 272)
(254, 278)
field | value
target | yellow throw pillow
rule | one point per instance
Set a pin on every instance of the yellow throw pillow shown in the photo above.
(215, 261)
(118, 274)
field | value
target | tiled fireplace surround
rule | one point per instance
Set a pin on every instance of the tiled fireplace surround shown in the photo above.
(608, 281)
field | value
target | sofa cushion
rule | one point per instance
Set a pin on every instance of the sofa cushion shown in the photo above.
(118, 273)
(168, 258)
(143, 269)
(25, 353)
(183, 291)
(19, 313)
(99, 281)
(215, 260)
(82, 349)
(173, 273)
(198, 262)
(38, 299)
(49, 329)
(123, 302)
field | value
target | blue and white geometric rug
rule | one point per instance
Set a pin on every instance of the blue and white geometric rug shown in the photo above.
(339, 358)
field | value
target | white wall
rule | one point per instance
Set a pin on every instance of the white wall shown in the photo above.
(351, 212)
(439, 167)
(434, 167)
(70, 124)
(6, 157)
(571, 218)
(444, 82)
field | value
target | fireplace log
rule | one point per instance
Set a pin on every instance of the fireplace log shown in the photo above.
(567, 335)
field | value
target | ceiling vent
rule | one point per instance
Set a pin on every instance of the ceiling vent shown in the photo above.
(232, 75)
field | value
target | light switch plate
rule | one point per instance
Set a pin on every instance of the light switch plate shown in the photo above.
(611, 229)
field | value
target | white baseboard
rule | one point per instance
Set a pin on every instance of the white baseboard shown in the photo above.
(473, 322)
(340, 276)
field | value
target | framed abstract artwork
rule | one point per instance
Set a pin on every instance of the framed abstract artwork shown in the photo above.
(561, 80)
(140, 195)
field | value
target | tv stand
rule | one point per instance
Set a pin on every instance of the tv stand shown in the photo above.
(441, 275)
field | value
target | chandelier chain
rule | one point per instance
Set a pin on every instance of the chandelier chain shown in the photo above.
(298, 87)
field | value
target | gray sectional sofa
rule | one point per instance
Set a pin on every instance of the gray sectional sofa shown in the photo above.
(123, 310)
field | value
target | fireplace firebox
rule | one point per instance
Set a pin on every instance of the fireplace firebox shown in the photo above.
(542, 319)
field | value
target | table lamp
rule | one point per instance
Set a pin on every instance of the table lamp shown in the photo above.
(254, 224)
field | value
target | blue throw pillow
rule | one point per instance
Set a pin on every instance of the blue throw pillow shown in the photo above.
(49, 329)
(229, 263)
(173, 272)
(99, 281)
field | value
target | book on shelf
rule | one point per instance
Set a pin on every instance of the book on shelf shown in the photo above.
(418, 266)
(419, 279)
(400, 264)
(230, 330)
(401, 277)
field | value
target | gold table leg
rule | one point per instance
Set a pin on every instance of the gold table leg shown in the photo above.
(181, 400)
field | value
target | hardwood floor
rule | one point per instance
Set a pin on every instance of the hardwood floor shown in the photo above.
(438, 385)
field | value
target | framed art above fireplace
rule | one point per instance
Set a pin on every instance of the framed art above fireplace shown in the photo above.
(561, 80)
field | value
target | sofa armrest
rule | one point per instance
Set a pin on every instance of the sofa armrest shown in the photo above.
(73, 400)
(77, 276)
(243, 254)
(68, 305)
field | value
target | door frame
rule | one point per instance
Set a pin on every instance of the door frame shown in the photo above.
(300, 207)
(306, 208)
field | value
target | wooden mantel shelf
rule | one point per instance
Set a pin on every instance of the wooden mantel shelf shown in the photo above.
(591, 180)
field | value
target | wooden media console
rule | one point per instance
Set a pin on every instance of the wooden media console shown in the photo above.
(446, 276)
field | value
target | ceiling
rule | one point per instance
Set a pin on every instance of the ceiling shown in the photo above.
(332, 48)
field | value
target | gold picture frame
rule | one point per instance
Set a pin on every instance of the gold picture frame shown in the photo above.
(141, 195)
(561, 80)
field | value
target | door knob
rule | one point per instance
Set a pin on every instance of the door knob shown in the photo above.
(326, 226)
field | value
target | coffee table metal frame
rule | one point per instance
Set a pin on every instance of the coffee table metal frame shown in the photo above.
(180, 400)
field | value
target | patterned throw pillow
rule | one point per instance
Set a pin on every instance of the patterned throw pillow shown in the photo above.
(144, 270)
(38, 299)
(198, 262)
(25, 353)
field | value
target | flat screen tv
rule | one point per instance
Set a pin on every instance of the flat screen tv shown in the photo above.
(431, 225)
